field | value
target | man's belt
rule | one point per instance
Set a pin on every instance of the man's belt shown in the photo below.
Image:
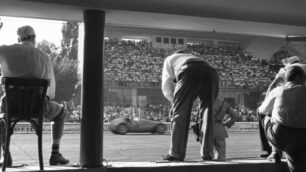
(218, 121)
(195, 62)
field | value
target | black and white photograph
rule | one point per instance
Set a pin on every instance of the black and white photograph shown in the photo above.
(153, 85)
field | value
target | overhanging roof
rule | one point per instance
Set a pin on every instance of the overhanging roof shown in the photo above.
(275, 18)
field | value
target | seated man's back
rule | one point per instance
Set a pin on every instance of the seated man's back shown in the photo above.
(23, 60)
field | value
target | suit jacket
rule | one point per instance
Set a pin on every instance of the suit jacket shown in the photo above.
(225, 116)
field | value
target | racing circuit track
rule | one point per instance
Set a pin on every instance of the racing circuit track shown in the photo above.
(129, 148)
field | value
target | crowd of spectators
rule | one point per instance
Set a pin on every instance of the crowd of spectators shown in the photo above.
(160, 112)
(246, 114)
(231, 64)
(128, 61)
(155, 112)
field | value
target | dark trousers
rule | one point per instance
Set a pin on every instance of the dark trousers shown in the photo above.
(265, 146)
(195, 80)
(53, 111)
(292, 141)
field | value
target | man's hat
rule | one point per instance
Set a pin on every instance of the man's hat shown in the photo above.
(25, 31)
(290, 60)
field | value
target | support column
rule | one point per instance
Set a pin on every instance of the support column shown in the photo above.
(91, 147)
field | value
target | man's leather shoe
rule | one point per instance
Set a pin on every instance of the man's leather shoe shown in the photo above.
(275, 157)
(209, 158)
(264, 155)
(172, 159)
(9, 162)
(58, 159)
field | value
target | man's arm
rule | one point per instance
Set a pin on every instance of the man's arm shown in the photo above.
(274, 84)
(51, 88)
(267, 105)
(277, 80)
(233, 116)
(168, 84)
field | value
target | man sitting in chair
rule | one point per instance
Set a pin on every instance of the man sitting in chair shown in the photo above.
(25, 60)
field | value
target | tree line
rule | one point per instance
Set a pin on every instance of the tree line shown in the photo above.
(65, 61)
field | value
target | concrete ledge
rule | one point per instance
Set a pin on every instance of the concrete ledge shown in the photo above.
(196, 166)
(55, 169)
(237, 165)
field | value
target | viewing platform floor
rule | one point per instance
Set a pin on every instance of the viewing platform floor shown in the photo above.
(231, 165)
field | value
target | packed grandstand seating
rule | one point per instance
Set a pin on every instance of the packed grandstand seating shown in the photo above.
(128, 61)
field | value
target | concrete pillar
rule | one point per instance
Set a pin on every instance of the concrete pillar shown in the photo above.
(91, 153)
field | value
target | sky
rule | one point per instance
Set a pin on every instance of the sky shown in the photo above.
(49, 30)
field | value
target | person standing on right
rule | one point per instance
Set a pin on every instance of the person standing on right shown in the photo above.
(284, 122)
(186, 77)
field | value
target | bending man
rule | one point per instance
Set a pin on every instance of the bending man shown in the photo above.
(186, 77)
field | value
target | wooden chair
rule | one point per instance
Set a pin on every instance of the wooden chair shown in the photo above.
(23, 101)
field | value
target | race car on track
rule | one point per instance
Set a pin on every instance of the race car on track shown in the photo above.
(125, 125)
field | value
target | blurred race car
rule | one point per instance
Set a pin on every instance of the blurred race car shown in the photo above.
(125, 124)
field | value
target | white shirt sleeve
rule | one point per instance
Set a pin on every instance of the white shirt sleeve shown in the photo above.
(168, 78)
(51, 88)
(281, 73)
(267, 105)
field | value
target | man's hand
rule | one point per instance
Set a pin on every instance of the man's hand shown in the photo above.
(226, 124)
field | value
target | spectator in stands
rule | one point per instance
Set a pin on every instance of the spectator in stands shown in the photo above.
(24, 60)
(184, 78)
(286, 127)
(224, 116)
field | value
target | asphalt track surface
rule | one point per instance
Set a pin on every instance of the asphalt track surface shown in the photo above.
(132, 147)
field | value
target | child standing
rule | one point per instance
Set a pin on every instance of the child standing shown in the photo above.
(225, 116)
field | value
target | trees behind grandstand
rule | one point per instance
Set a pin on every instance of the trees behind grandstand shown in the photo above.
(64, 61)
